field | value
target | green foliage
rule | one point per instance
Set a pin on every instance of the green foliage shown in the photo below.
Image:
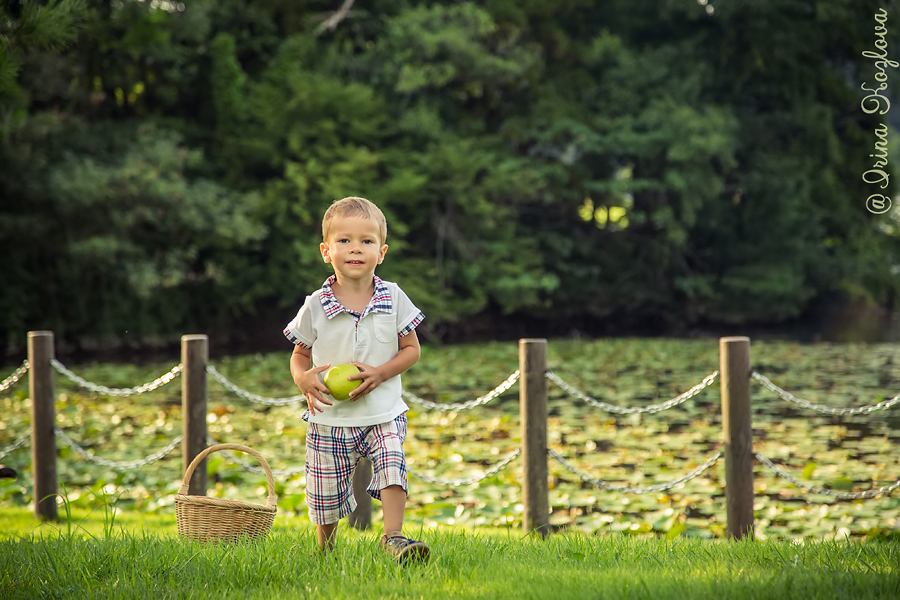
(227, 81)
(634, 161)
(47, 25)
(124, 238)
(24, 26)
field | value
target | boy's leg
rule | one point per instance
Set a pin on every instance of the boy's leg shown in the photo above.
(330, 459)
(385, 449)
(326, 535)
(393, 504)
(383, 445)
(403, 549)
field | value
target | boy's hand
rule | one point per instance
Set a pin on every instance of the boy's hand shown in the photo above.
(313, 389)
(371, 377)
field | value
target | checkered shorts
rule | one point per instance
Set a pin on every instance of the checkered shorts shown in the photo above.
(331, 456)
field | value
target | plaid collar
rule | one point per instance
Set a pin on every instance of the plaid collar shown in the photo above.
(380, 302)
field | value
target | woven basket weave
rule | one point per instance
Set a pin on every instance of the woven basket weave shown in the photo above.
(215, 519)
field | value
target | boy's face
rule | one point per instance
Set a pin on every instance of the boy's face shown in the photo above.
(353, 248)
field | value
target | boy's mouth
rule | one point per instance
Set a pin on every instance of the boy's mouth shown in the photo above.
(354, 262)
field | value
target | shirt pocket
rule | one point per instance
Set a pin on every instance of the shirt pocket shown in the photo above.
(385, 328)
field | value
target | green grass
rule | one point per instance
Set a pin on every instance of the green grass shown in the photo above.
(19, 522)
(146, 563)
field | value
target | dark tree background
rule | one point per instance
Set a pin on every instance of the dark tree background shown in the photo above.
(653, 164)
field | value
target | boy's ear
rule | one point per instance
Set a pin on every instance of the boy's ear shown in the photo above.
(323, 248)
(384, 248)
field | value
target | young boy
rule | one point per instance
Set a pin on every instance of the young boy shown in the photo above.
(356, 318)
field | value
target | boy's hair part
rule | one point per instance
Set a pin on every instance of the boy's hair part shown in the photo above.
(354, 206)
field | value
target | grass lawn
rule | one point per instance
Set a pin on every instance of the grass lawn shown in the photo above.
(140, 556)
(19, 522)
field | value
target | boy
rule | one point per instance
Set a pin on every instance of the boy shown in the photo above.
(356, 318)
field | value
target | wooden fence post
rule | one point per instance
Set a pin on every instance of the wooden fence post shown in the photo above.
(734, 371)
(194, 358)
(361, 518)
(43, 421)
(533, 415)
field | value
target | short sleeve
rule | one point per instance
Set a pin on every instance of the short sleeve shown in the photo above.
(408, 314)
(300, 330)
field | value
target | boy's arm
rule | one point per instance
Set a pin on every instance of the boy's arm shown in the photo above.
(372, 377)
(307, 379)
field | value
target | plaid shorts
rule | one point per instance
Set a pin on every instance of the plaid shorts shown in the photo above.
(331, 456)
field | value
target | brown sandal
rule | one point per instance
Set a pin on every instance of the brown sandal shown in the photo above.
(403, 549)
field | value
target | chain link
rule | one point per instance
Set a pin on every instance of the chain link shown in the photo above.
(101, 389)
(862, 410)
(636, 490)
(286, 473)
(125, 464)
(15, 377)
(460, 482)
(252, 397)
(510, 381)
(655, 408)
(866, 495)
(23, 439)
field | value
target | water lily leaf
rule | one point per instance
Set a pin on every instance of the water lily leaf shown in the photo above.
(214, 463)
(291, 501)
(809, 469)
(675, 530)
(841, 483)
(638, 528)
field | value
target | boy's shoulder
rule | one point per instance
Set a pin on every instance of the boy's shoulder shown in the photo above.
(389, 284)
(396, 292)
(314, 296)
(314, 301)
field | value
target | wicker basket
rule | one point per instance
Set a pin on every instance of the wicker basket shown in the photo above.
(216, 519)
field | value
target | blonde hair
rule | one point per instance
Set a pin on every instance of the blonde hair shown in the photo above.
(353, 206)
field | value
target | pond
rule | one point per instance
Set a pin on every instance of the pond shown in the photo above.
(841, 453)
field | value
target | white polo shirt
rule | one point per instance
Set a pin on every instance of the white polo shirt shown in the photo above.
(337, 335)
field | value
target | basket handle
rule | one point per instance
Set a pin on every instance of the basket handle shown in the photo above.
(189, 472)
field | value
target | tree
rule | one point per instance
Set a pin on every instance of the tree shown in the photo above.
(116, 240)
(26, 25)
(649, 163)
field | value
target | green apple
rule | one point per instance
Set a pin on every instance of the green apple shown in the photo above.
(337, 383)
